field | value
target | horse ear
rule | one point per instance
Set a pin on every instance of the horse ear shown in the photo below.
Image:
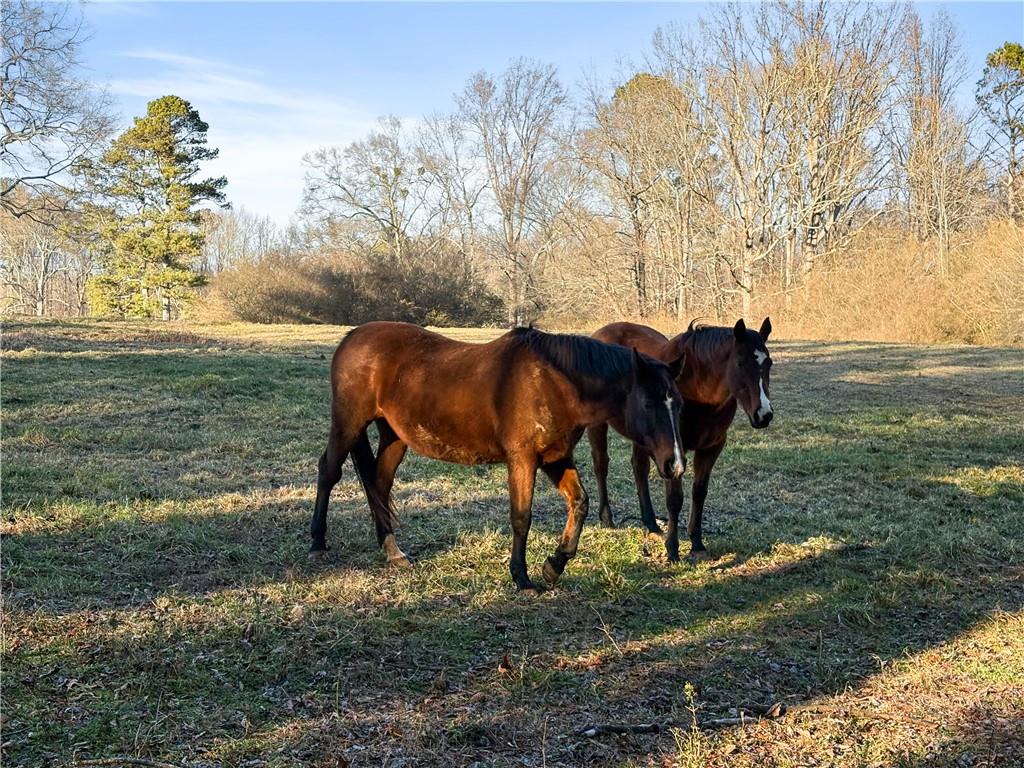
(676, 366)
(740, 330)
(766, 328)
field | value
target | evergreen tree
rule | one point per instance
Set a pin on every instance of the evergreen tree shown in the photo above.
(149, 219)
(1000, 95)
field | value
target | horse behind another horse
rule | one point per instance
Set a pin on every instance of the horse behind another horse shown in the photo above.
(724, 367)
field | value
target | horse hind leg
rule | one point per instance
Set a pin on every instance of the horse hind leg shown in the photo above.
(339, 443)
(390, 452)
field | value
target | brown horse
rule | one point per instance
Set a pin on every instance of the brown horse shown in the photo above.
(523, 399)
(725, 366)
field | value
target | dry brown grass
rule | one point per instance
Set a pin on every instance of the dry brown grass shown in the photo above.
(888, 288)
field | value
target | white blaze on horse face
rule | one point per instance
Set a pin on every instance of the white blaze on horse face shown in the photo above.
(766, 405)
(677, 467)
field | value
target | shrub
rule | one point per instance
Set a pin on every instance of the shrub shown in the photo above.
(428, 290)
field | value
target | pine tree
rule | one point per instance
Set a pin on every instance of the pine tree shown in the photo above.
(1000, 95)
(149, 217)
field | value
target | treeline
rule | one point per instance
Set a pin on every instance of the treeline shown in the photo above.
(809, 160)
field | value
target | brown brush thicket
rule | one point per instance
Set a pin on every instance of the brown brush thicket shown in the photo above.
(429, 290)
(887, 287)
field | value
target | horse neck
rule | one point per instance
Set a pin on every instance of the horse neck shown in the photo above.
(704, 377)
(611, 404)
(596, 383)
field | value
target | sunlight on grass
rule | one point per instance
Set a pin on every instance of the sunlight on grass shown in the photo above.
(1005, 481)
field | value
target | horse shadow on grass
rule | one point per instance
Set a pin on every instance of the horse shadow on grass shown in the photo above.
(476, 677)
(446, 660)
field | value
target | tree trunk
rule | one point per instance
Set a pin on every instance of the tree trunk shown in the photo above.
(513, 293)
(44, 268)
(747, 285)
(639, 261)
(686, 261)
(787, 267)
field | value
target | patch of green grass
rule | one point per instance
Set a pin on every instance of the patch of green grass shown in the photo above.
(868, 559)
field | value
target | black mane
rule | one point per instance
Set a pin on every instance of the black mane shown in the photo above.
(708, 341)
(591, 365)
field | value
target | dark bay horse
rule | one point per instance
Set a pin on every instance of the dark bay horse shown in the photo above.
(523, 399)
(724, 366)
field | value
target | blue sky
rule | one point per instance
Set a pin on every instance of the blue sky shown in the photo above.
(275, 80)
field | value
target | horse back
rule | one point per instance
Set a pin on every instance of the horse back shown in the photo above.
(450, 400)
(645, 339)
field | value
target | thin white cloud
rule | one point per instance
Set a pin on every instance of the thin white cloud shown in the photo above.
(262, 130)
(135, 9)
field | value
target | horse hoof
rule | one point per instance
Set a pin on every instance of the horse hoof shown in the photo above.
(400, 561)
(608, 524)
(530, 590)
(550, 573)
(317, 554)
(672, 557)
(698, 555)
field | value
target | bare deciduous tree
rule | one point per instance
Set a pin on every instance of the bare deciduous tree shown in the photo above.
(445, 154)
(51, 119)
(233, 237)
(377, 183)
(791, 94)
(516, 122)
(44, 267)
(940, 174)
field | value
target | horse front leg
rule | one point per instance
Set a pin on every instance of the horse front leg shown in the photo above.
(522, 474)
(703, 462)
(598, 438)
(674, 503)
(641, 475)
(566, 479)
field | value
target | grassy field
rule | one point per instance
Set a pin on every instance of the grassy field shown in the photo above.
(868, 572)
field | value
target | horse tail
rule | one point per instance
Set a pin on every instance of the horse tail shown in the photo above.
(366, 467)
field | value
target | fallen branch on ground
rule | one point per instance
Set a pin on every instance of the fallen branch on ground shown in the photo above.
(598, 730)
(123, 761)
(759, 711)
(770, 711)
